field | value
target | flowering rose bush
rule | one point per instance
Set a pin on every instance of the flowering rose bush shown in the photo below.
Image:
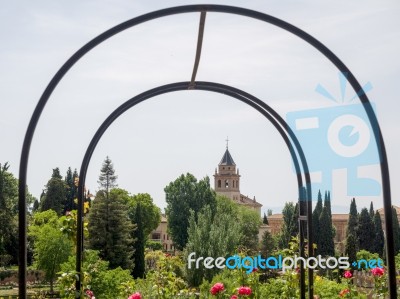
(380, 280)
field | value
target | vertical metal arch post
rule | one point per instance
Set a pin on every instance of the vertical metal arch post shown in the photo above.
(282, 127)
(200, 8)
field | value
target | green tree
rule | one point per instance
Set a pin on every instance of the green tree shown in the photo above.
(396, 231)
(315, 219)
(379, 240)
(55, 193)
(138, 255)
(265, 219)
(7, 190)
(326, 243)
(152, 213)
(182, 195)
(295, 221)
(71, 183)
(288, 226)
(267, 243)
(110, 230)
(51, 248)
(214, 236)
(371, 210)
(9, 213)
(351, 233)
(249, 227)
(365, 231)
(107, 178)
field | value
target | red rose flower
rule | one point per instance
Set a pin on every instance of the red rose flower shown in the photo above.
(135, 296)
(378, 271)
(217, 288)
(234, 297)
(255, 270)
(244, 291)
(347, 274)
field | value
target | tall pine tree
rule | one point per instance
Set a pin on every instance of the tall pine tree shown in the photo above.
(111, 231)
(365, 231)
(107, 179)
(315, 219)
(351, 233)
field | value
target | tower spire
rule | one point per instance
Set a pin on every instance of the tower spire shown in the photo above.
(227, 141)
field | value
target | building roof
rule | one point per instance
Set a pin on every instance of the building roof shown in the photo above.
(382, 210)
(227, 159)
(248, 201)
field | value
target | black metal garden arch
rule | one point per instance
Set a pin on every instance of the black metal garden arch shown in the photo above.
(206, 8)
(304, 191)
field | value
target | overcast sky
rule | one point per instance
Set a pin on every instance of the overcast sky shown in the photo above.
(155, 142)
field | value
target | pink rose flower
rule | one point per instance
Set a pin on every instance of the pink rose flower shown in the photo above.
(347, 274)
(234, 297)
(217, 288)
(378, 271)
(135, 296)
(244, 291)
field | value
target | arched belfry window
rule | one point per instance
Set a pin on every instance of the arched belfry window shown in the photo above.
(226, 183)
(219, 183)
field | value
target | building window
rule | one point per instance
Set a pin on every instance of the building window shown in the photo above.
(237, 183)
(171, 247)
(164, 236)
(226, 184)
(233, 183)
(219, 183)
(167, 237)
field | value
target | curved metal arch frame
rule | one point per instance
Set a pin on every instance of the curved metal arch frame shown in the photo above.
(275, 119)
(209, 8)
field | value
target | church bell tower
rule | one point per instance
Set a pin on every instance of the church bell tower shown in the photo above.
(227, 178)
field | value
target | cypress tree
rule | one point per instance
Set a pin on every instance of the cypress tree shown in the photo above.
(371, 211)
(139, 269)
(351, 236)
(365, 231)
(379, 240)
(396, 231)
(315, 219)
(71, 191)
(265, 219)
(295, 221)
(326, 243)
